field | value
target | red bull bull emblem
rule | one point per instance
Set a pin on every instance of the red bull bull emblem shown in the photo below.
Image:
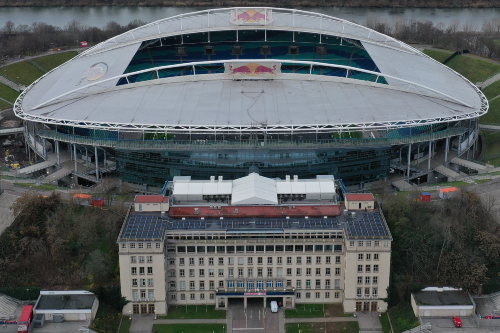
(252, 16)
(252, 70)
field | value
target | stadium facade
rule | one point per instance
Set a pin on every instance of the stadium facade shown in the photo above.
(239, 90)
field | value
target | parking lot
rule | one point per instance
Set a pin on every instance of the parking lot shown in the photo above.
(255, 318)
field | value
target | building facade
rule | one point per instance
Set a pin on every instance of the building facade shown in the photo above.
(303, 256)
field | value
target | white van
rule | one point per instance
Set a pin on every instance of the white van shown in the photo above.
(274, 306)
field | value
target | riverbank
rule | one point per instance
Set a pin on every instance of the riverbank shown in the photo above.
(395, 4)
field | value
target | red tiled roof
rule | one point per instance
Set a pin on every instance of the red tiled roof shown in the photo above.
(359, 197)
(150, 198)
(256, 211)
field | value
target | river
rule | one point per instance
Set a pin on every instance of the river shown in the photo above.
(99, 16)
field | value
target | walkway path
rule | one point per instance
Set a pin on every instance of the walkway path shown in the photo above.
(490, 80)
(6, 101)
(9, 83)
(319, 320)
(369, 322)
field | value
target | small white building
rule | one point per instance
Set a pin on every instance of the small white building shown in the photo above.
(151, 203)
(442, 302)
(67, 305)
(359, 201)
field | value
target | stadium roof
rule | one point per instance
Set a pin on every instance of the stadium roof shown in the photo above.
(407, 88)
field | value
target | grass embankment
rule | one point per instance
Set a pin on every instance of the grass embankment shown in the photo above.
(8, 93)
(42, 187)
(493, 148)
(22, 72)
(107, 319)
(125, 325)
(50, 62)
(403, 318)
(193, 312)
(476, 70)
(384, 320)
(189, 328)
(336, 327)
(4, 105)
(438, 55)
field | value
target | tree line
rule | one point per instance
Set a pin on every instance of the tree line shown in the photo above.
(479, 38)
(282, 3)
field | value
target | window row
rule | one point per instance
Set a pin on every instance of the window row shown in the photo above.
(259, 285)
(133, 259)
(141, 245)
(142, 270)
(142, 293)
(221, 261)
(367, 256)
(142, 282)
(368, 268)
(192, 296)
(251, 272)
(368, 279)
(374, 293)
(318, 295)
(368, 243)
(259, 248)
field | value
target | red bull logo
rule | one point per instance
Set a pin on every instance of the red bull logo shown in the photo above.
(257, 16)
(253, 70)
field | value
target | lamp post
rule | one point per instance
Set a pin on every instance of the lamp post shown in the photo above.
(156, 317)
(379, 312)
(29, 296)
(418, 181)
(354, 311)
(130, 315)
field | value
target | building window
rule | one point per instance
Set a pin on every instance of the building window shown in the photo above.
(299, 271)
(369, 243)
(250, 260)
(259, 260)
(328, 259)
(269, 260)
(259, 272)
(250, 272)
(134, 282)
(141, 245)
(221, 272)
(134, 270)
(143, 282)
(327, 295)
(149, 259)
(360, 256)
(192, 296)
(376, 243)
(212, 296)
(260, 285)
(230, 272)
(230, 284)
(211, 285)
(367, 292)
(181, 261)
(124, 246)
(202, 272)
(299, 260)
(202, 296)
(360, 268)
(327, 284)
(360, 279)
(211, 272)
(308, 295)
(288, 271)
(375, 268)
(240, 261)
(337, 259)
(221, 284)
(141, 259)
(269, 284)
(269, 272)
(191, 261)
(148, 245)
(280, 260)
(202, 285)
(191, 273)
(337, 283)
(368, 256)
(360, 243)
(158, 245)
(183, 297)
(308, 271)
(386, 243)
(289, 260)
(181, 272)
(231, 261)
(240, 272)
(201, 261)
(150, 283)
(318, 284)
(133, 259)
(358, 292)
(337, 270)
(328, 271)
(337, 294)
(375, 292)
(191, 285)
(351, 244)
(318, 260)
(132, 245)
(297, 295)
(299, 284)
(221, 261)
(143, 293)
(250, 285)
(308, 260)
(368, 268)
(375, 280)
(182, 285)
(288, 283)
(375, 256)
(367, 280)
(211, 261)
(318, 295)
(308, 284)
(141, 270)
(150, 270)
(318, 271)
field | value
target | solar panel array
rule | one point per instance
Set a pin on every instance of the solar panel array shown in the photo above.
(366, 225)
(144, 226)
(190, 224)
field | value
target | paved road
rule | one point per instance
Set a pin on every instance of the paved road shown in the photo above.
(319, 320)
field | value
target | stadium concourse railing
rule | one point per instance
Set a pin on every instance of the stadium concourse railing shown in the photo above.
(247, 144)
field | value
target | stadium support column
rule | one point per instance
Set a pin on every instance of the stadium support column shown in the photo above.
(430, 156)
(74, 155)
(58, 154)
(96, 164)
(447, 144)
(409, 157)
(87, 156)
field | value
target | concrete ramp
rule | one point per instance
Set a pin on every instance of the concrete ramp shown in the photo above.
(36, 167)
(6, 216)
(469, 164)
(56, 176)
(8, 306)
(447, 172)
(402, 185)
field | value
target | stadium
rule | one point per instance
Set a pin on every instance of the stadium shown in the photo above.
(239, 90)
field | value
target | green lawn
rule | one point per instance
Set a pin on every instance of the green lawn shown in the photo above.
(43, 187)
(493, 115)
(493, 148)
(193, 312)
(403, 318)
(476, 70)
(125, 326)
(8, 93)
(189, 328)
(4, 105)
(492, 90)
(50, 62)
(384, 320)
(337, 327)
(438, 55)
(305, 311)
(21, 72)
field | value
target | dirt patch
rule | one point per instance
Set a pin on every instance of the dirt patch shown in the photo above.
(333, 310)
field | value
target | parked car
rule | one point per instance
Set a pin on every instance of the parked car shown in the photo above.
(457, 321)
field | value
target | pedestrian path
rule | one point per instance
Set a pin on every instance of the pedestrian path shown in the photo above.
(6, 101)
(10, 84)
